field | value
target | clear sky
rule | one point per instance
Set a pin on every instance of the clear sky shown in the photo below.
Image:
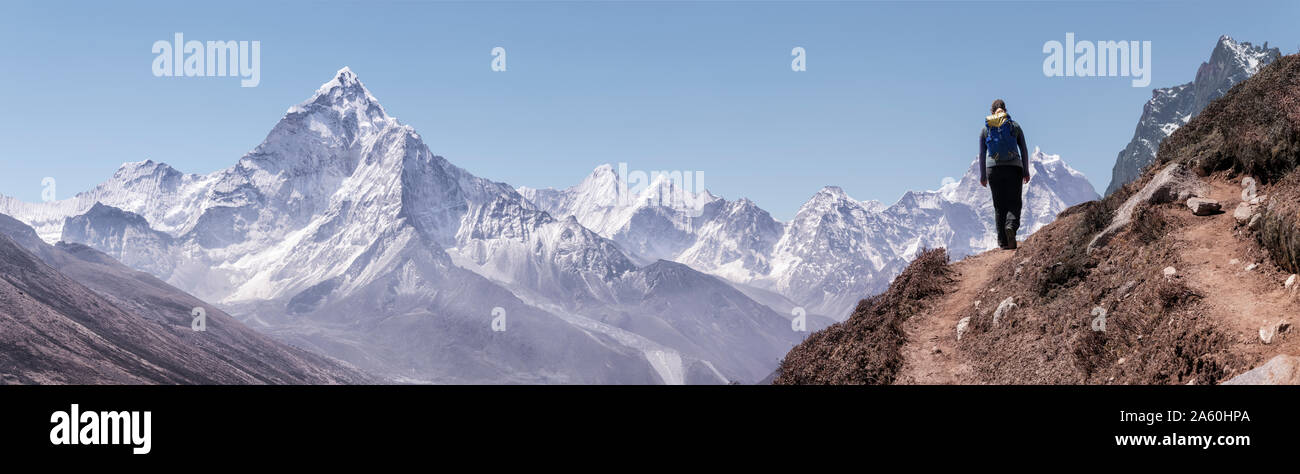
(892, 99)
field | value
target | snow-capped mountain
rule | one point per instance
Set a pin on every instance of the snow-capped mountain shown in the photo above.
(835, 251)
(342, 232)
(566, 268)
(1054, 187)
(665, 221)
(1170, 108)
(838, 250)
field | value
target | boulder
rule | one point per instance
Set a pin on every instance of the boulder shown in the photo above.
(1170, 184)
(1281, 370)
(1243, 213)
(1268, 333)
(1290, 283)
(962, 326)
(1203, 207)
(1170, 272)
(1248, 188)
(1005, 308)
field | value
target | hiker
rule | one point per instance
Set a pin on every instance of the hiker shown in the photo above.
(1006, 168)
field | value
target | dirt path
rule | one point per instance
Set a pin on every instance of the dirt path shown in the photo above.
(930, 356)
(1213, 262)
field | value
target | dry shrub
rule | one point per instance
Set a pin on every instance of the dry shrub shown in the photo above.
(1166, 338)
(1073, 263)
(1089, 348)
(1149, 224)
(867, 348)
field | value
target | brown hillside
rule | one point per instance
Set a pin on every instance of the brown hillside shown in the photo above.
(1201, 324)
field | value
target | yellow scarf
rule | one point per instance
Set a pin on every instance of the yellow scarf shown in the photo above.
(996, 120)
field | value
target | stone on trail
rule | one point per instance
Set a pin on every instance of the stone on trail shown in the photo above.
(1281, 370)
(1243, 213)
(1268, 333)
(1004, 309)
(1203, 207)
(961, 326)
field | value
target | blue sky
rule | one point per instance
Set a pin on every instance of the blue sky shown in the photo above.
(892, 98)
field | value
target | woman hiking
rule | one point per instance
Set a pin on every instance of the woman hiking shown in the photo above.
(1004, 163)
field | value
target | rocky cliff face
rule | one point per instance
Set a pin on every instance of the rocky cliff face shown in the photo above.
(1170, 108)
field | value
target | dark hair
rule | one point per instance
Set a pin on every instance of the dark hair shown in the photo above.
(998, 104)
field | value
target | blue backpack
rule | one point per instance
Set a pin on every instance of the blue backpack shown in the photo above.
(1001, 141)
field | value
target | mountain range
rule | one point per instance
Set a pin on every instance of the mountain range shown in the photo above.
(835, 251)
(343, 234)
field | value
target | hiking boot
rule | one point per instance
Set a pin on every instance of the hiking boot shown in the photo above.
(1012, 226)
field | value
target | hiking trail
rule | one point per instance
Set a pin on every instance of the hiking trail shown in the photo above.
(936, 329)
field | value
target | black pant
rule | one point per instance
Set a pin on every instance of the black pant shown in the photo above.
(1006, 182)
